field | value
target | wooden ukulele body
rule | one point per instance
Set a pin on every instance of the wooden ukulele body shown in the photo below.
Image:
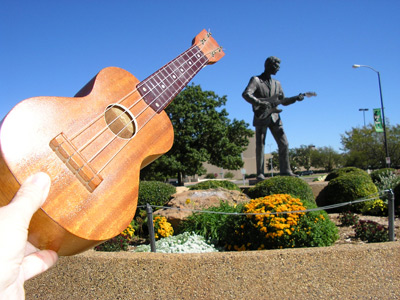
(82, 212)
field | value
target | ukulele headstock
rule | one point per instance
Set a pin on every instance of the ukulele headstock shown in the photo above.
(208, 46)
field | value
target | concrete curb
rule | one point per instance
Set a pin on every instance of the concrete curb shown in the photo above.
(366, 271)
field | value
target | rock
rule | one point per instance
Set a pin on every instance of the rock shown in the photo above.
(182, 204)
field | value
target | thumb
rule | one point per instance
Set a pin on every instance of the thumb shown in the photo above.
(31, 195)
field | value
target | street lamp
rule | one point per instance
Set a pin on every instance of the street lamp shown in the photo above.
(363, 110)
(272, 167)
(383, 111)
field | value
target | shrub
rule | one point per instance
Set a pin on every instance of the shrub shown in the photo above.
(315, 230)
(294, 186)
(375, 208)
(118, 243)
(348, 218)
(162, 228)
(387, 181)
(210, 176)
(344, 171)
(216, 228)
(371, 232)
(182, 243)
(139, 223)
(272, 231)
(213, 184)
(229, 175)
(348, 187)
(396, 192)
(155, 192)
(377, 175)
(269, 231)
(252, 175)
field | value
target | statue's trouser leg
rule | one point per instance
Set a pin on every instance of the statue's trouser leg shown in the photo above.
(283, 146)
(261, 133)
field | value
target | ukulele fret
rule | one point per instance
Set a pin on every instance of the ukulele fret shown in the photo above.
(75, 162)
(159, 89)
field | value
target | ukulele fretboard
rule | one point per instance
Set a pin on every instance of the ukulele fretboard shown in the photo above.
(160, 88)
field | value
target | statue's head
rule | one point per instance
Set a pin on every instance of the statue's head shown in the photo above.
(272, 65)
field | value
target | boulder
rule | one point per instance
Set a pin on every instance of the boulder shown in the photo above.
(182, 204)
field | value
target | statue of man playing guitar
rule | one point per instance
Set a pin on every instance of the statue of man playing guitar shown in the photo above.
(265, 94)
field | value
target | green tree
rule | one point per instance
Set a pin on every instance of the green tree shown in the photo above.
(364, 148)
(302, 156)
(294, 164)
(327, 158)
(203, 133)
(307, 157)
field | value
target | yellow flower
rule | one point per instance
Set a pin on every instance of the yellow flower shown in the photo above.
(162, 227)
(274, 225)
(129, 231)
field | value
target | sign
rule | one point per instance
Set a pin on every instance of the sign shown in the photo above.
(378, 120)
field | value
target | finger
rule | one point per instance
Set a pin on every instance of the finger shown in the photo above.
(31, 195)
(38, 262)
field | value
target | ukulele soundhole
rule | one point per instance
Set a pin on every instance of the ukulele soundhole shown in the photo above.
(120, 121)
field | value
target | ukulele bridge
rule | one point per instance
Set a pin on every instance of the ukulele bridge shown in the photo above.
(75, 162)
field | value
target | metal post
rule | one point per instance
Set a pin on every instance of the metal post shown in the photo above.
(150, 225)
(383, 122)
(391, 215)
(363, 110)
(383, 112)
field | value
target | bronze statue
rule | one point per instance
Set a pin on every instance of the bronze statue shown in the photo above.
(265, 94)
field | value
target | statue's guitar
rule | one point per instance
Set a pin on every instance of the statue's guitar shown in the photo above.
(263, 111)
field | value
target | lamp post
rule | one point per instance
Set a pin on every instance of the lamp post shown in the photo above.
(383, 111)
(363, 110)
(272, 168)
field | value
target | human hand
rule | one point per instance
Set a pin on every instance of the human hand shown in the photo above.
(300, 97)
(19, 259)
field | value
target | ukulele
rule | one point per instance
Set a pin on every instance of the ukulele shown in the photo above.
(93, 147)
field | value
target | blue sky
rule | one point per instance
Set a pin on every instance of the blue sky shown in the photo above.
(52, 48)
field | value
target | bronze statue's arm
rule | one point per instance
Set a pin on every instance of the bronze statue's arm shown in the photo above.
(249, 92)
(291, 100)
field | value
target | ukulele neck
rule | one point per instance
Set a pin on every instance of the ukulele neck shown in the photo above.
(159, 89)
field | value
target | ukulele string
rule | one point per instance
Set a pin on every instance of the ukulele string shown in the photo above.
(203, 41)
(123, 112)
(161, 82)
(102, 114)
(123, 146)
(120, 101)
(118, 116)
(145, 122)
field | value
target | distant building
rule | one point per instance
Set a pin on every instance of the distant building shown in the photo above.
(249, 159)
